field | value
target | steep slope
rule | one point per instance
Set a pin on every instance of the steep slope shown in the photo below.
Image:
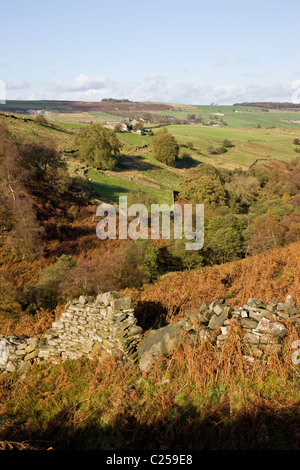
(273, 274)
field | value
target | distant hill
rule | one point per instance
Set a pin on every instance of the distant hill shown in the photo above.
(270, 105)
(109, 106)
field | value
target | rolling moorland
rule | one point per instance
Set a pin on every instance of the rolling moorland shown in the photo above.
(240, 161)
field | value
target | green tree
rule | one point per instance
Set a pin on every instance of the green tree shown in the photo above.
(41, 159)
(40, 119)
(165, 147)
(224, 238)
(182, 258)
(204, 185)
(47, 288)
(244, 190)
(139, 126)
(143, 254)
(150, 260)
(227, 143)
(99, 147)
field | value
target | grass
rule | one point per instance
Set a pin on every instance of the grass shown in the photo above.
(106, 116)
(141, 171)
(62, 134)
(112, 185)
(201, 398)
(247, 117)
(249, 144)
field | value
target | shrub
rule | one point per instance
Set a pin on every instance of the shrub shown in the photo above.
(46, 292)
(165, 147)
(99, 147)
(40, 119)
(204, 185)
(227, 143)
(221, 150)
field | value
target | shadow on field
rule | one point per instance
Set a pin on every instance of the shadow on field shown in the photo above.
(177, 429)
(109, 191)
(136, 162)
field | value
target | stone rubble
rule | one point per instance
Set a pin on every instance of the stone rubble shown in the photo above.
(86, 325)
(108, 323)
(262, 325)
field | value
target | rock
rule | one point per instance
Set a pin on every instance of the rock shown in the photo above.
(82, 300)
(204, 307)
(256, 315)
(31, 355)
(218, 309)
(251, 338)
(32, 340)
(290, 301)
(214, 303)
(255, 303)
(248, 323)
(20, 352)
(23, 366)
(135, 330)
(121, 304)
(272, 328)
(10, 367)
(109, 323)
(31, 347)
(161, 341)
(192, 319)
(107, 297)
(146, 362)
(217, 321)
(74, 330)
(283, 307)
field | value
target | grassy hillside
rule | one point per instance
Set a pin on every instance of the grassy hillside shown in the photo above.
(20, 125)
(273, 274)
(248, 144)
(239, 116)
(201, 397)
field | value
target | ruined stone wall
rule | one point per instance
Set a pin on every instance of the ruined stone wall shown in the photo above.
(108, 323)
(86, 326)
(262, 325)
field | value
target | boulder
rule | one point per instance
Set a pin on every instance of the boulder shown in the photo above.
(161, 341)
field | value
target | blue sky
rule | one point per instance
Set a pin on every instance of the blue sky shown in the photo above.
(195, 52)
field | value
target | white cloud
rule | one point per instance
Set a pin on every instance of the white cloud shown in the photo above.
(19, 85)
(82, 83)
(156, 87)
(191, 93)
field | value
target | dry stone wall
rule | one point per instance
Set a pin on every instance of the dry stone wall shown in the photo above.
(262, 325)
(109, 323)
(86, 326)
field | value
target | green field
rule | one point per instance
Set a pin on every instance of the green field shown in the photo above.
(106, 116)
(141, 172)
(249, 144)
(239, 116)
(112, 185)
